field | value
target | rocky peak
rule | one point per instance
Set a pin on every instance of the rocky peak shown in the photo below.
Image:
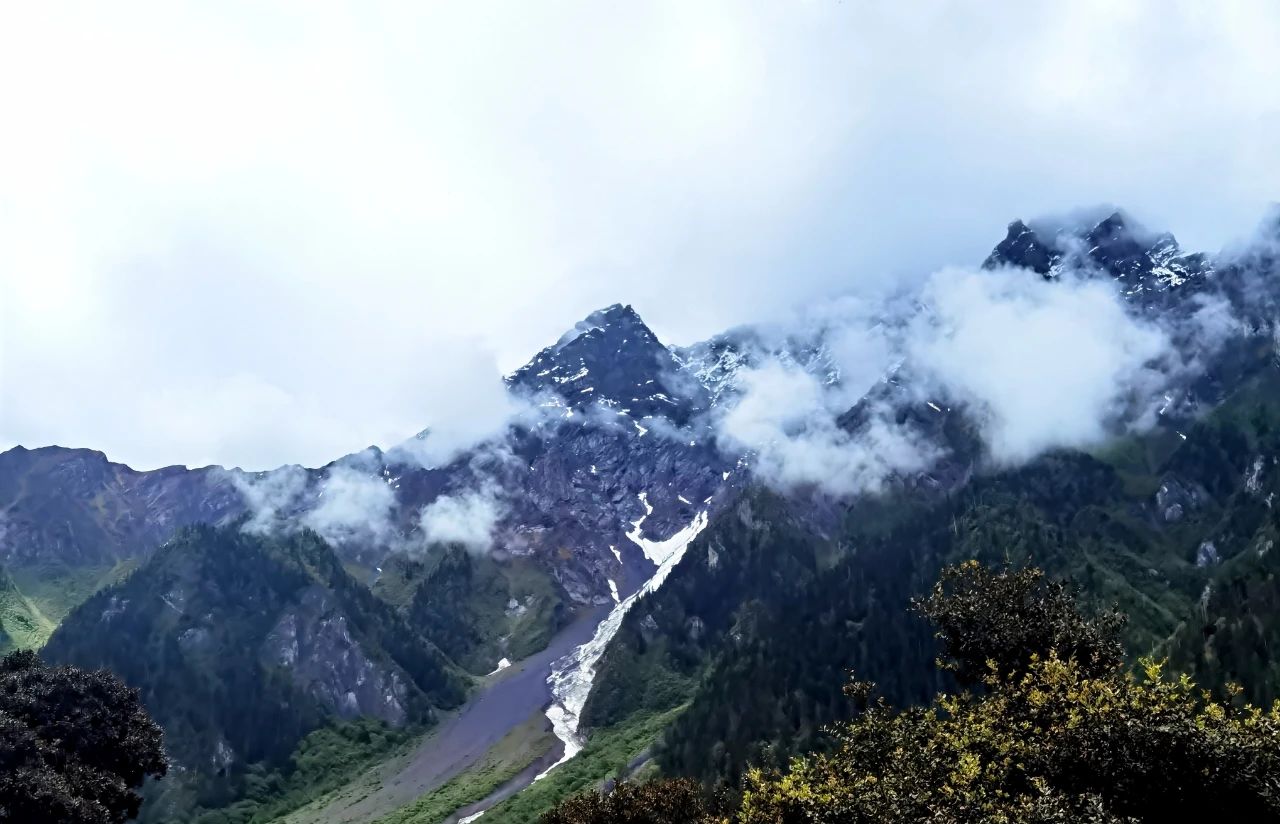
(1023, 248)
(1147, 264)
(718, 362)
(613, 359)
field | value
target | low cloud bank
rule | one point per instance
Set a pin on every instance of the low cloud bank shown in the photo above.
(1035, 364)
(1040, 364)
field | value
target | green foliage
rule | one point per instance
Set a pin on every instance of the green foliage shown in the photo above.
(323, 761)
(22, 624)
(1060, 732)
(1051, 738)
(462, 601)
(609, 753)
(56, 589)
(674, 801)
(75, 746)
(1007, 620)
(1049, 744)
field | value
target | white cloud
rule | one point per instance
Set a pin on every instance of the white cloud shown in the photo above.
(466, 518)
(270, 497)
(787, 420)
(257, 236)
(354, 505)
(1042, 364)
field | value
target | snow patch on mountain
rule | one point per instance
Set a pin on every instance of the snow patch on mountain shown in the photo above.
(572, 676)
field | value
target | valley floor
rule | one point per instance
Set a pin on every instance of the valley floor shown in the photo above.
(512, 701)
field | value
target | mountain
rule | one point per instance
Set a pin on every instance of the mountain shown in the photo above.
(774, 603)
(718, 363)
(637, 572)
(223, 626)
(612, 359)
(570, 484)
(76, 508)
(242, 646)
(1147, 265)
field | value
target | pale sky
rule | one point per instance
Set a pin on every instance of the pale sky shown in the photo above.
(254, 233)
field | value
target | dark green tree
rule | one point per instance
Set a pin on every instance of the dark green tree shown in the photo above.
(75, 746)
(1008, 619)
(1062, 731)
(673, 801)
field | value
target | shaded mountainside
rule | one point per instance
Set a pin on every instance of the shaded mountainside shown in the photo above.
(76, 508)
(477, 609)
(757, 627)
(242, 646)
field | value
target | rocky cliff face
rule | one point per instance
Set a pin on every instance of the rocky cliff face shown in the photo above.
(75, 507)
(1147, 264)
(312, 642)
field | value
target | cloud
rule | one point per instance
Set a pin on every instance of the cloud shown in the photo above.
(353, 505)
(270, 498)
(1042, 364)
(1034, 364)
(468, 518)
(474, 409)
(323, 217)
(351, 502)
(784, 417)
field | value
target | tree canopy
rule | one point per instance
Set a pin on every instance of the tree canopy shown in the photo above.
(1052, 728)
(75, 746)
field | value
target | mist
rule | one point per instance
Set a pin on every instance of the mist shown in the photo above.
(467, 518)
(1041, 364)
(1035, 364)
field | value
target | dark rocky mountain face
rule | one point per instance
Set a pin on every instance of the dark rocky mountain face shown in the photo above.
(1148, 265)
(75, 507)
(718, 362)
(615, 417)
(612, 360)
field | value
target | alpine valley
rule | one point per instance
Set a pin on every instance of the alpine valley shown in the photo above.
(658, 566)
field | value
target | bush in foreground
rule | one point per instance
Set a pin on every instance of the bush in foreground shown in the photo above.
(1055, 730)
(74, 746)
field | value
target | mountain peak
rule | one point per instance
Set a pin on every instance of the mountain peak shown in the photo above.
(614, 313)
(613, 359)
(1023, 247)
(1108, 241)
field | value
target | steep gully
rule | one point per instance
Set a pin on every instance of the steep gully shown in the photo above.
(555, 681)
(572, 676)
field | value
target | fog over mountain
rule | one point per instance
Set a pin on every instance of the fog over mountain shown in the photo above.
(273, 242)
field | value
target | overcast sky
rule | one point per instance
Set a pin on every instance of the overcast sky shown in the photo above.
(260, 233)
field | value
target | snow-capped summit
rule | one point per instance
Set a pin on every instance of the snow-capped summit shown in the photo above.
(612, 359)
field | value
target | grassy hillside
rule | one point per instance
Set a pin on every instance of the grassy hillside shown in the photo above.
(22, 624)
(477, 608)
